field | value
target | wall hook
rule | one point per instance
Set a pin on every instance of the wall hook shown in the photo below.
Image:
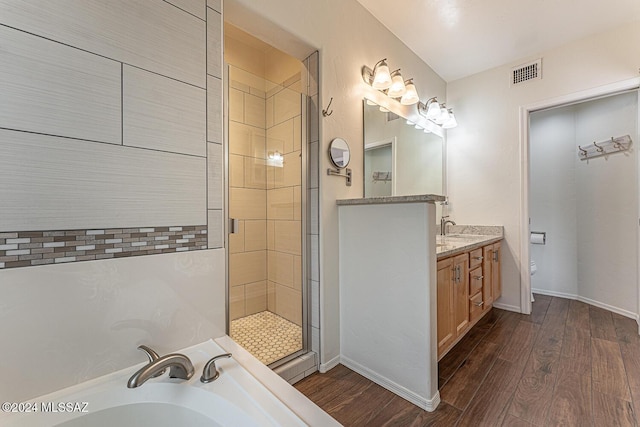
(583, 152)
(599, 148)
(326, 112)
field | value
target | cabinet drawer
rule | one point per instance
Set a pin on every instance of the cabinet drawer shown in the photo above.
(476, 306)
(476, 280)
(475, 258)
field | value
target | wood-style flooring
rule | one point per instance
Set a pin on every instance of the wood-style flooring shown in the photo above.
(566, 364)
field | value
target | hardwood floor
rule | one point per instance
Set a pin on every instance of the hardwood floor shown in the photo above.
(566, 364)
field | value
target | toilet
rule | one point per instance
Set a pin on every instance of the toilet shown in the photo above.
(534, 268)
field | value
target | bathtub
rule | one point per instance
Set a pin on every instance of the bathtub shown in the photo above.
(247, 394)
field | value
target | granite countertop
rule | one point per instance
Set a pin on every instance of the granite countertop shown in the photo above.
(418, 198)
(465, 238)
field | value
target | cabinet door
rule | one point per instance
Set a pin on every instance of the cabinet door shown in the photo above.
(446, 327)
(461, 292)
(496, 283)
(487, 263)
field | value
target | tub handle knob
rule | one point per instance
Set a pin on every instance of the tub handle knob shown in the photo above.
(153, 356)
(210, 373)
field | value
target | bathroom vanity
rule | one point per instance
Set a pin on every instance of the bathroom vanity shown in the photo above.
(468, 280)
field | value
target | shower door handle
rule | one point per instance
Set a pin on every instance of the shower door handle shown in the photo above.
(233, 225)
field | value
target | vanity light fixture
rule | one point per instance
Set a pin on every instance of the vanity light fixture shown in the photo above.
(379, 78)
(451, 122)
(411, 95)
(444, 115)
(432, 108)
(397, 88)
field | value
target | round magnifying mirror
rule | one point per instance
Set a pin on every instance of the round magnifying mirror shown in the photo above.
(339, 153)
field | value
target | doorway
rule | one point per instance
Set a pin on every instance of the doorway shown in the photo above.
(587, 205)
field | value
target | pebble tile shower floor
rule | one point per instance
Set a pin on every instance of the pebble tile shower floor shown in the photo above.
(267, 336)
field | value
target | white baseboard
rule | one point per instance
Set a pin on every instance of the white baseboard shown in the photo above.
(332, 363)
(507, 307)
(426, 404)
(589, 301)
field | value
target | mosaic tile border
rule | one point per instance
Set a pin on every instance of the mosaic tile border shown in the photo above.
(32, 248)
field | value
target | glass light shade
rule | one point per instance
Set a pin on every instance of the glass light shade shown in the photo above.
(443, 117)
(451, 122)
(381, 77)
(433, 110)
(397, 88)
(411, 95)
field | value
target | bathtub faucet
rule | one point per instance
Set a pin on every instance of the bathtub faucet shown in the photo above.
(179, 364)
(210, 373)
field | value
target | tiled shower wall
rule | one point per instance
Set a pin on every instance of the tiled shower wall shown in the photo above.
(107, 129)
(110, 146)
(247, 194)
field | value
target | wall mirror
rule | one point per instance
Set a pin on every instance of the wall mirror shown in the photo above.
(399, 159)
(339, 153)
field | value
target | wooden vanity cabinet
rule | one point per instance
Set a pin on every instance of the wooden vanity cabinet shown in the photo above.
(453, 300)
(467, 286)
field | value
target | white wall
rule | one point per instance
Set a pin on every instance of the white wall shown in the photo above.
(348, 37)
(484, 150)
(588, 207)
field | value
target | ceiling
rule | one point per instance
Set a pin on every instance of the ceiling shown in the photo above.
(458, 38)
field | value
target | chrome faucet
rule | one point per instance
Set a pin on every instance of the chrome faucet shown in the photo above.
(443, 224)
(210, 373)
(179, 364)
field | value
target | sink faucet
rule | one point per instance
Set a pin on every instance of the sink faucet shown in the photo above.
(443, 224)
(179, 364)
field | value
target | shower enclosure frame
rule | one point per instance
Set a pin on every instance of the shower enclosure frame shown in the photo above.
(304, 212)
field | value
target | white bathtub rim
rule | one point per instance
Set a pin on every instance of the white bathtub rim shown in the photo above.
(235, 371)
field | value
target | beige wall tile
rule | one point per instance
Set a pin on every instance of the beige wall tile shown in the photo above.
(246, 140)
(255, 173)
(286, 105)
(271, 297)
(247, 203)
(236, 302)
(246, 79)
(297, 133)
(289, 304)
(288, 237)
(236, 170)
(269, 110)
(255, 297)
(297, 202)
(280, 203)
(254, 110)
(292, 169)
(297, 272)
(281, 268)
(255, 237)
(215, 176)
(236, 106)
(247, 267)
(236, 240)
(280, 137)
(271, 227)
(215, 231)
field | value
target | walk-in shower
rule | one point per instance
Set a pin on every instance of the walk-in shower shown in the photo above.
(265, 147)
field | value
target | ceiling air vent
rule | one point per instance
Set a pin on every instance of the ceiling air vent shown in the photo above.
(526, 72)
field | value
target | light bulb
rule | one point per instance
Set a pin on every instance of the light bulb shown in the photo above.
(397, 88)
(411, 95)
(381, 76)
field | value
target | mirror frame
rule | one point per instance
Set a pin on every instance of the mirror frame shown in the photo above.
(348, 151)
